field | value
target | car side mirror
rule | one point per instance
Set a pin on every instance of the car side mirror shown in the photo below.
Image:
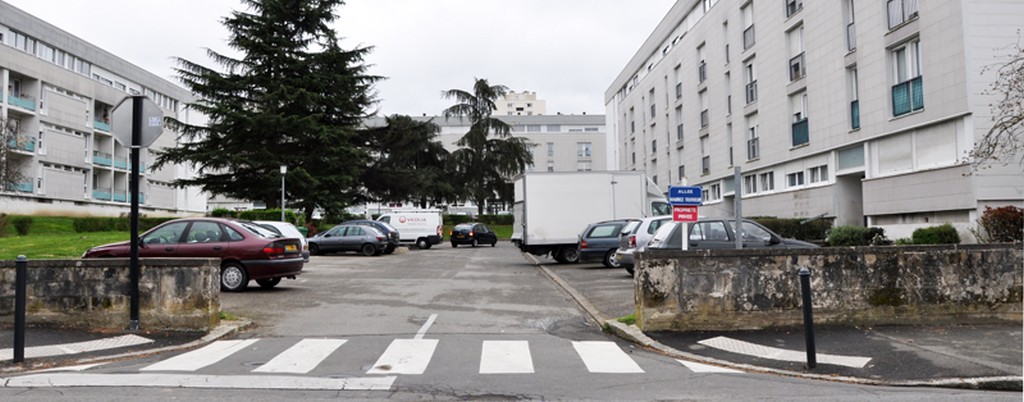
(772, 240)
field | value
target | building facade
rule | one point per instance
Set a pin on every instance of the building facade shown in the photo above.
(862, 112)
(59, 93)
(520, 104)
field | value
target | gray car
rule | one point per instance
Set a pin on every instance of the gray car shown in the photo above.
(634, 238)
(600, 240)
(362, 239)
(718, 233)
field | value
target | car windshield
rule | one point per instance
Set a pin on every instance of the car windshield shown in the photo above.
(752, 232)
(271, 228)
(464, 226)
(258, 230)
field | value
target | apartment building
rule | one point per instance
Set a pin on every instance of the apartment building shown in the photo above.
(58, 93)
(520, 104)
(861, 112)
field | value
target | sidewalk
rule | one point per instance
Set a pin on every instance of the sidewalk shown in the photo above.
(985, 356)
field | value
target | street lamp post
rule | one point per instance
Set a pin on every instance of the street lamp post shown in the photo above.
(284, 169)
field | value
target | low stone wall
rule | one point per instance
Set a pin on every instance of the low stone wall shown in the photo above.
(750, 289)
(174, 294)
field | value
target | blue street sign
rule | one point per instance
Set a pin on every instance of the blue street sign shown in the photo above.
(685, 196)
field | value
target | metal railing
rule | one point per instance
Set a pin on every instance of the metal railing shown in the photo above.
(102, 126)
(102, 158)
(800, 133)
(23, 101)
(101, 193)
(22, 142)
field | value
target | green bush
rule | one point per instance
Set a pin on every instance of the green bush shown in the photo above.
(944, 234)
(506, 219)
(843, 236)
(267, 215)
(22, 224)
(794, 229)
(1004, 224)
(223, 213)
(457, 219)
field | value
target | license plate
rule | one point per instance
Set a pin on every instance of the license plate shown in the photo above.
(290, 247)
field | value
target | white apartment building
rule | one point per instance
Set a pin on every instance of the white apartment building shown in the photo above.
(59, 91)
(858, 111)
(520, 104)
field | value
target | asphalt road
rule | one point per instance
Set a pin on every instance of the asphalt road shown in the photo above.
(464, 323)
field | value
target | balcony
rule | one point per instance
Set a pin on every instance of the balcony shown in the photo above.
(901, 11)
(748, 37)
(753, 148)
(99, 125)
(855, 114)
(22, 187)
(851, 36)
(101, 193)
(797, 68)
(752, 92)
(702, 71)
(22, 142)
(23, 101)
(704, 118)
(800, 134)
(101, 159)
(907, 96)
(121, 163)
(120, 197)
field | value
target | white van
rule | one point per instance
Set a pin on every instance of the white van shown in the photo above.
(420, 226)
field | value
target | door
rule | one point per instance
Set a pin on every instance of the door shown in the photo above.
(710, 235)
(163, 241)
(353, 238)
(333, 239)
(203, 239)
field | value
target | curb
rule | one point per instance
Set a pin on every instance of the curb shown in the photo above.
(224, 329)
(633, 334)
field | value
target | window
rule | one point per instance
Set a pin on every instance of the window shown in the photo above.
(753, 142)
(551, 166)
(679, 123)
(583, 149)
(725, 39)
(854, 99)
(654, 146)
(632, 121)
(728, 138)
(651, 100)
(851, 31)
(554, 128)
(748, 25)
(705, 152)
(728, 93)
(797, 68)
(800, 131)
(704, 118)
(551, 149)
(679, 82)
(767, 181)
(750, 184)
(533, 128)
(583, 166)
(901, 11)
(702, 70)
(682, 172)
(818, 174)
(795, 179)
(792, 6)
(751, 77)
(908, 92)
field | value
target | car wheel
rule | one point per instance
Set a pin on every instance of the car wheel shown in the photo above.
(609, 259)
(629, 268)
(569, 255)
(233, 277)
(389, 249)
(268, 283)
(494, 242)
(314, 249)
(474, 243)
(422, 243)
(454, 244)
(369, 250)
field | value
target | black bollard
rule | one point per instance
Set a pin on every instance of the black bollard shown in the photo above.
(805, 290)
(20, 283)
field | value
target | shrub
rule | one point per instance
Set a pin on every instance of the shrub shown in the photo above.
(267, 215)
(457, 219)
(793, 228)
(944, 234)
(1004, 224)
(840, 236)
(223, 213)
(506, 219)
(22, 224)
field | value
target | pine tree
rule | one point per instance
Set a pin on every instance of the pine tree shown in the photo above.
(293, 98)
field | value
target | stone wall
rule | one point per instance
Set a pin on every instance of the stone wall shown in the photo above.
(174, 294)
(749, 289)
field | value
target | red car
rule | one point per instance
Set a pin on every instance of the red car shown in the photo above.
(246, 250)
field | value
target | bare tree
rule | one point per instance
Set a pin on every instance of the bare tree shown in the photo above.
(1004, 142)
(10, 169)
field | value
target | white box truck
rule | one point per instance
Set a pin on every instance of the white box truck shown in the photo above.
(551, 208)
(420, 226)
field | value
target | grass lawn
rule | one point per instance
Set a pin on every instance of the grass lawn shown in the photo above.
(504, 232)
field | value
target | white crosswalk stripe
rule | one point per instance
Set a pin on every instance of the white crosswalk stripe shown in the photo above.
(201, 357)
(405, 356)
(605, 357)
(506, 357)
(303, 357)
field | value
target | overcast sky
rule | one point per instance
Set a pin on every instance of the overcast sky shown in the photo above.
(568, 51)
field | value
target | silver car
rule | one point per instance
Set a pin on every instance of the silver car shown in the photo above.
(634, 238)
(287, 230)
(362, 239)
(718, 233)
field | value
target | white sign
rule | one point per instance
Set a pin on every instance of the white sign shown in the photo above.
(152, 121)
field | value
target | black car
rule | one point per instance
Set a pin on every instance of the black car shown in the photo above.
(719, 233)
(389, 231)
(472, 233)
(600, 240)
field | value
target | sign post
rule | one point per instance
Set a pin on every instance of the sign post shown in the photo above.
(137, 123)
(685, 202)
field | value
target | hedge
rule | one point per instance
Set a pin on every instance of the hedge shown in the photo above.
(792, 228)
(944, 234)
(841, 236)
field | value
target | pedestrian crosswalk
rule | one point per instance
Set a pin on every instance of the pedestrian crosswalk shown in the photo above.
(372, 363)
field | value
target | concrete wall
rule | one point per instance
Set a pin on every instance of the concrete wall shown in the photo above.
(174, 294)
(747, 289)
